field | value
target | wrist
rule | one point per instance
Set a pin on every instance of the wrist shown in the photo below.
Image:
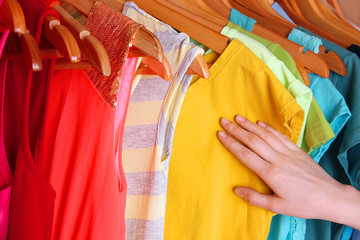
(347, 207)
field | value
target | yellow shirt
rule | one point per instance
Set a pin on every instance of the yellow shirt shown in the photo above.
(201, 204)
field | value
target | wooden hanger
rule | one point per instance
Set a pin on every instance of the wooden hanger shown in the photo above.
(335, 12)
(91, 48)
(196, 14)
(30, 52)
(311, 11)
(263, 8)
(226, 3)
(95, 46)
(61, 38)
(303, 72)
(145, 40)
(200, 33)
(334, 62)
(294, 13)
(224, 8)
(12, 17)
(147, 43)
(220, 6)
(192, 11)
(335, 4)
(309, 59)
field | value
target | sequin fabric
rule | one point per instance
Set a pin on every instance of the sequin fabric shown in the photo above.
(115, 31)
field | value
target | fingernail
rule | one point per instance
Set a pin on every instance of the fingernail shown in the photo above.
(261, 124)
(240, 118)
(224, 121)
(239, 192)
(222, 134)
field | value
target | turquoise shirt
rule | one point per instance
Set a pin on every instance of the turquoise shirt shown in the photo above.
(342, 159)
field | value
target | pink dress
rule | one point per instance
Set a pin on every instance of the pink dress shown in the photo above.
(5, 172)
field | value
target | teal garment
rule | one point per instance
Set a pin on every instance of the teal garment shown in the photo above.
(356, 235)
(301, 93)
(347, 233)
(309, 42)
(341, 161)
(241, 20)
(334, 107)
(337, 114)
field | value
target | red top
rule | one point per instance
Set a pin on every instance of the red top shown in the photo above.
(63, 135)
(32, 197)
(77, 156)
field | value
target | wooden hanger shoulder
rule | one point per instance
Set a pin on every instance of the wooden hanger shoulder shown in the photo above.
(200, 33)
(61, 38)
(294, 13)
(12, 17)
(90, 47)
(313, 14)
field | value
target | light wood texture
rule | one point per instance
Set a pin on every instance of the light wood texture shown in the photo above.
(148, 43)
(200, 33)
(263, 8)
(194, 69)
(199, 67)
(311, 11)
(335, 4)
(270, 24)
(145, 40)
(327, 8)
(227, 3)
(12, 17)
(91, 48)
(333, 61)
(350, 8)
(303, 72)
(309, 59)
(195, 14)
(295, 14)
(61, 38)
(30, 52)
(220, 7)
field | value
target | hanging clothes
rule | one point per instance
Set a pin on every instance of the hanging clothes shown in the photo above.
(295, 87)
(32, 197)
(5, 171)
(341, 160)
(355, 49)
(81, 136)
(147, 145)
(202, 172)
(317, 130)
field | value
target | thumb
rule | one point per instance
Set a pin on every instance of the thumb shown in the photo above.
(266, 201)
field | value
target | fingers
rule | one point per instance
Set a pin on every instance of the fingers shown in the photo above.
(251, 140)
(268, 202)
(284, 139)
(260, 130)
(245, 155)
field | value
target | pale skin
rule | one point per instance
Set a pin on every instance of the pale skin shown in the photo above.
(301, 188)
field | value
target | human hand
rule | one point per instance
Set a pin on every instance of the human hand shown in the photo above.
(301, 187)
